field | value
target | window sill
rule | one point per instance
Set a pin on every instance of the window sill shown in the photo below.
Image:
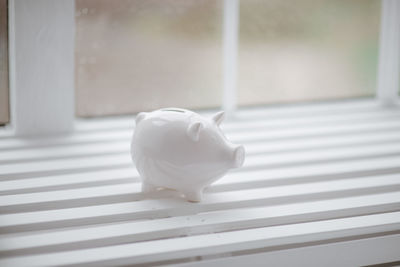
(318, 179)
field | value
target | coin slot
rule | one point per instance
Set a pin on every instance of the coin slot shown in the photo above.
(174, 110)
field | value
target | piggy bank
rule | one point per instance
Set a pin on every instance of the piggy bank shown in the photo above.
(179, 149)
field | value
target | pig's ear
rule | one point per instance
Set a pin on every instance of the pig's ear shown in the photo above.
(140, 117)
(218, 117)
(194, 129)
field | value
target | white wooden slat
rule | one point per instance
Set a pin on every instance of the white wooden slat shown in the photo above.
(161, 250)
(220, 221)
(310, 121)
(311, 109)
(124, 159)
(54, 152)
(272, 116)
(67, 217)
(299, 121)
(357, 252)
(329, 154)
(96, 137)
(69, 179)
(6, 131)
(297, 172)
(122, 147)
(105, 123)
(71, 194)
(323, 109)
(127, 188)
(267, 161)
(323, 169)
(155, 208)
(266, 134)
(350, 140)
(67, 164)
(313, 131)
(259, 124)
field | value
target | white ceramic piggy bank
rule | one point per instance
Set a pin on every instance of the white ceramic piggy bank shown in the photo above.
(181, 150)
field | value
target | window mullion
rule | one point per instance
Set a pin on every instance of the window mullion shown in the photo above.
(42, 66)
(230, 51)
(389, 53)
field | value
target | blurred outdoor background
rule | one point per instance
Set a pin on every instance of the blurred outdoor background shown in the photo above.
(136, 55)
(304, 50)
(143, 54)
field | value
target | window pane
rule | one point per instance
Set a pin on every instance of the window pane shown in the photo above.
(140, 55)
(4, 108)
(302, 50)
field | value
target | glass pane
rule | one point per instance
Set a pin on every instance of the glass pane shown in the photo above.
(304, 50)
(143, 54)
(4, 108)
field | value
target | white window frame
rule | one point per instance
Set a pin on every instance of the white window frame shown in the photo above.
(42, 91)
(389, 53)
(41, 49)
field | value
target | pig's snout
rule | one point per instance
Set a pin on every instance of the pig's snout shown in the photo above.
(238, 156)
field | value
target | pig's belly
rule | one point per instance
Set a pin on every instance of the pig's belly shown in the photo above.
(163, 174)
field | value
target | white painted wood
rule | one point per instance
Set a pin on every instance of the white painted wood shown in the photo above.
(210, 244)
(230, 51)
(286, 159)
(262, 134)
(260, 194)
(276, 112)
(42, 66)
(345, 159)
(389, 53)
(219, 221)
(40, 141)
(327, 155)
(269, 116)
(361, 252)
(54, 152)
(68, 164)
(169, 204)
(334, 129)
(257, 121)
(312, 171)
(268, 146)
(314, 175)
(323, 142)
(66, 181)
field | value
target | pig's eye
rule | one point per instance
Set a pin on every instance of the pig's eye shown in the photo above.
(174, 110)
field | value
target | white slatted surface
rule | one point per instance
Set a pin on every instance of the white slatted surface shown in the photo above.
(313, 173)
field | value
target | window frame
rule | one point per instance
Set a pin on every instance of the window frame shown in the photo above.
(30, 114)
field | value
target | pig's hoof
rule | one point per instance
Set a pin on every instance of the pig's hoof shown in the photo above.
(147, 188)
(194, 196)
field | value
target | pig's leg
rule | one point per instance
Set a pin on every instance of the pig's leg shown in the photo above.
(147, 187)
(194, 196)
